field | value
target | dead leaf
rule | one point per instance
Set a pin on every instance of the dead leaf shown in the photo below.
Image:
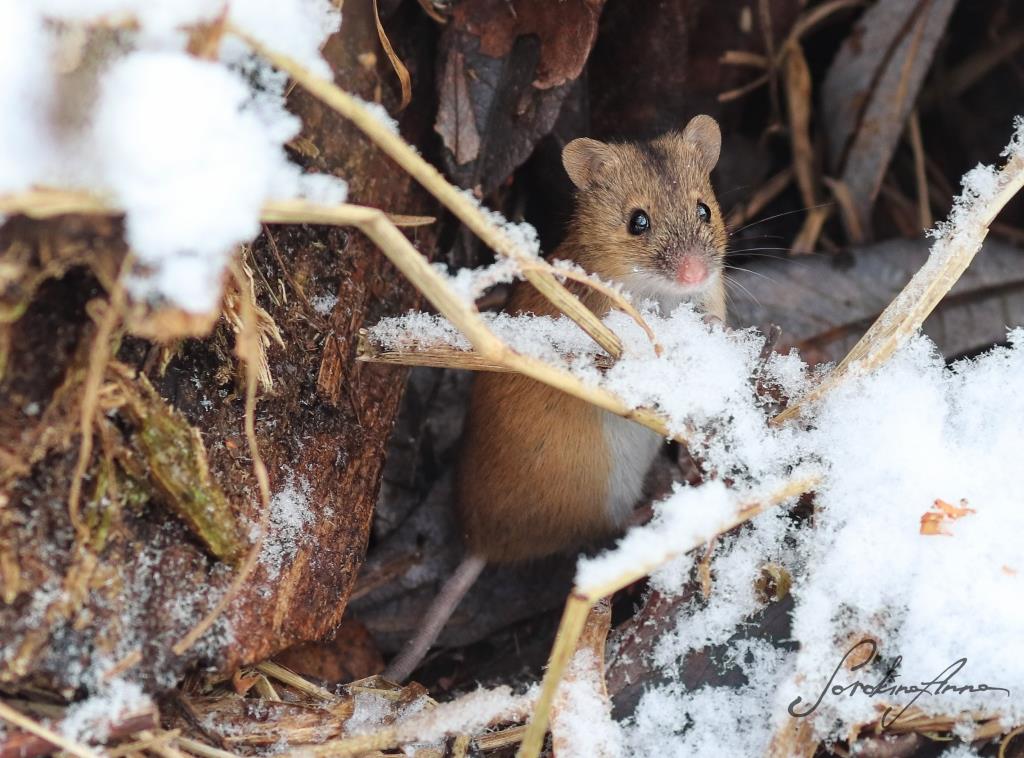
(498, 23)
(798, 101)
(506, 68)
(824, 303)
(349, 654)
(404, 80)
(871, 87)
(951, 511)
(456, 122)
(243, 683)
(933, 522)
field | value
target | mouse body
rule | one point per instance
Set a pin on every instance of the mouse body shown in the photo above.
(541, 471)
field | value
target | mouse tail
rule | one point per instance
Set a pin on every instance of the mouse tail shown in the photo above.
(437, 616)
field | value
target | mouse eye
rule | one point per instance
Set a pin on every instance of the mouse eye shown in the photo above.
(704, 213)
(639, 222)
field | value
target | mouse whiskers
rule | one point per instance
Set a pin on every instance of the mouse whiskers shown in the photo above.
(735, 283)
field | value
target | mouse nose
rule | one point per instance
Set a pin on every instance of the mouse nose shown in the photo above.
(692, 269)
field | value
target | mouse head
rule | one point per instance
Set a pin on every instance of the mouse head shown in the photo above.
(646, 215)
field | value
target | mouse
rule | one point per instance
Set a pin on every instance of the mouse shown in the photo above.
(543, 472)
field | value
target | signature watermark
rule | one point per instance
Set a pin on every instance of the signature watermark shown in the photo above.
(888, 686)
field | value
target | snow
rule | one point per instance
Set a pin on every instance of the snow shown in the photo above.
(191, 149)
(91, 720)
(915, 438)
(584, 725)
(324, 304)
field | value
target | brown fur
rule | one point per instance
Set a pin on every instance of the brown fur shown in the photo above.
(533, 475)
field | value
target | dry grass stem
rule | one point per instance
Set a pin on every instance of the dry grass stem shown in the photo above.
(98, 359)
(290, 678)
(610, 292)
(905, 315)
(439, 356)
(924, 212)
(202, 749)
(465, 209)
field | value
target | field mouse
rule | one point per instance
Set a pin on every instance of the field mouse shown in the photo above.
(541, 471)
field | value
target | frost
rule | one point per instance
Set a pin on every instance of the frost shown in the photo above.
(92, 719)
(324, 304)
(290, 514)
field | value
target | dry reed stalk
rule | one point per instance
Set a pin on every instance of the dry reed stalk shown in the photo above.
(440, 355)
(907, 312)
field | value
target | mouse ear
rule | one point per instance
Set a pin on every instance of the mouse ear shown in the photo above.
(703, 133)
(583, 159)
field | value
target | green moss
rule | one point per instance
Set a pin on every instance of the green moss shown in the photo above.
(177, 467)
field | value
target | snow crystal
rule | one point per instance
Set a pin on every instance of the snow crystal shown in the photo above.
(380, 113)
(324, 304)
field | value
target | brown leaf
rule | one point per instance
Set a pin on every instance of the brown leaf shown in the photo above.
(349, 654)
(456, 122)
(396, 63)
(499, 23)
(506, 68)
(871, 87)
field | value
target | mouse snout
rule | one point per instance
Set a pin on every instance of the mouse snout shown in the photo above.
(692, 268)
